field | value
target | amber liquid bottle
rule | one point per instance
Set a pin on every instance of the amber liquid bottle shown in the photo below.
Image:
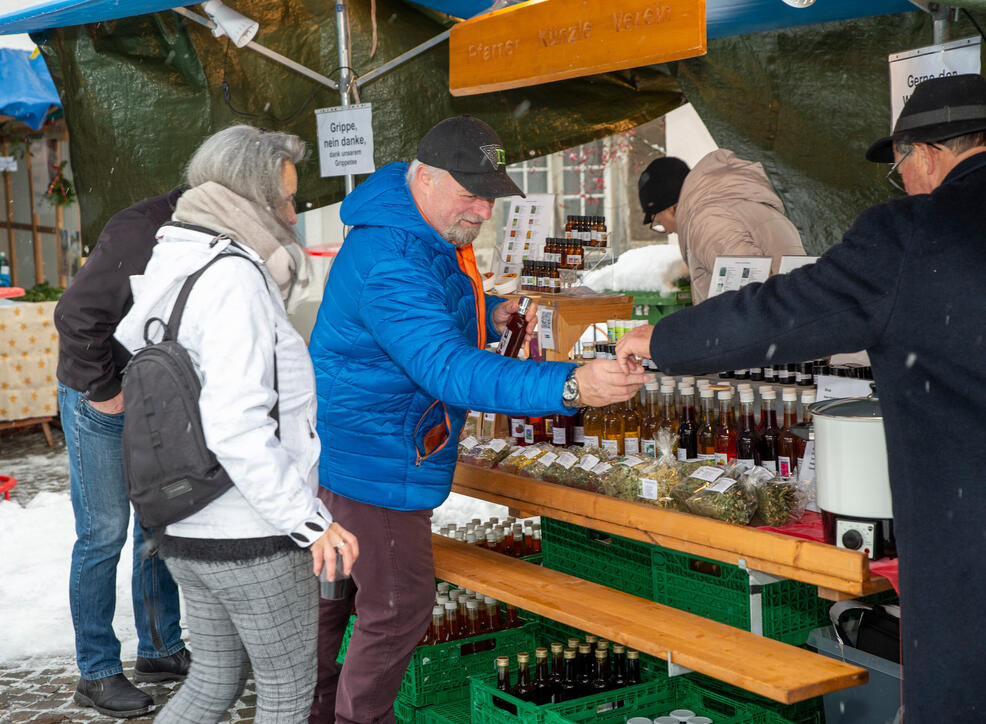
(650, 420)
(524, 689)
(542, 679)
(707, 428)
(603, 233)
(669, 416)
(613, 430)
(747, 440)
(688, 427)
(787, 448)
(725, 431)
(436, 631)
(513, 334)
(631, 428)
(503, 682)
(771, 432)
(569, 227)
(569, 688)
(451, 621)
(592, 426)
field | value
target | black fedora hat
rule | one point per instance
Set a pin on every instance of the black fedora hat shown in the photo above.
(939, 108)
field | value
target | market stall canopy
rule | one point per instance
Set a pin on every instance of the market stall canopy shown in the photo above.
(27, 92)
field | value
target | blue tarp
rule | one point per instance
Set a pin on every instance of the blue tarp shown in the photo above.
(723, 17)
(27, 91)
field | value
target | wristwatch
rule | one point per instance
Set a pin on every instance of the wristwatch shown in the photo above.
(570, 392)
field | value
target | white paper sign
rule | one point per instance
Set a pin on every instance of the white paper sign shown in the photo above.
(648, 489)
(345, 140)
(790, 263)
(546, 334)
(735, 272)
(911, 67)
(831, 387)
(8, 163)
(529, 222)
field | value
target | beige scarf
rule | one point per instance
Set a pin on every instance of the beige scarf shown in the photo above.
(215, 207)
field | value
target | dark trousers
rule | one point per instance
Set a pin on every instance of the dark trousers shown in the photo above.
(395, 592)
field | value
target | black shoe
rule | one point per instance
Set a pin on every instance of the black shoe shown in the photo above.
(166, 668)
(113, 696)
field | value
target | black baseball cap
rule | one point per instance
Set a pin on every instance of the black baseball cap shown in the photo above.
(939, 109)
(472, 153)
(659, 186)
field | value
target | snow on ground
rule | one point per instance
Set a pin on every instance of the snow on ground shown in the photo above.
(36, 542)
(647, 269)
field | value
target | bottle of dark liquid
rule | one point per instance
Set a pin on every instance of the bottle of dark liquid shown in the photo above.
(785, 376)
(618, 674)
(513, 334)
(707, 429)
(787, 449)
(591, 640)
(569, 227)
(503, 676)
(687, 427)
(524, 689)
(557, 669)
(542, 679)
(633, 667)
(747, 440)
(569, 688)
(563, 430)
(584, 676)
(771, 432)
(600, 678)
(603, 233)
(807, 399)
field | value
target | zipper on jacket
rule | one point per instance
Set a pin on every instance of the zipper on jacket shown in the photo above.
(419, 458)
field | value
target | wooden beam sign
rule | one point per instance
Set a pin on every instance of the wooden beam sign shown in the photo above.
(547, 40)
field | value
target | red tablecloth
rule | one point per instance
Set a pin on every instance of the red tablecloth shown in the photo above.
(810, 528)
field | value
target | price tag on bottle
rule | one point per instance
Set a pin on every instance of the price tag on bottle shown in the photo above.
(648, 489)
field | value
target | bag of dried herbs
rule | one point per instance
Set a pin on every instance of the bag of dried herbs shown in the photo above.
(725, 498)
(488, 454)
(467, 445)
(583, 474)
(660, 477)
(694, 477)
(622, 480)
(779, 500)
(560, 471)
(539, 464)
(521, 457)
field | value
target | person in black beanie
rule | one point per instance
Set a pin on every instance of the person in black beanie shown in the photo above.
(906, 284)
(725, 206)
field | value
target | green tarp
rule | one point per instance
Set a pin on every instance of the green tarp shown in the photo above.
(141, 93)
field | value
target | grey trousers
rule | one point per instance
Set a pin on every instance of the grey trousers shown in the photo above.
(261, 613)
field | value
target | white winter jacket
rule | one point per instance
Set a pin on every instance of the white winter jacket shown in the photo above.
(229, 327)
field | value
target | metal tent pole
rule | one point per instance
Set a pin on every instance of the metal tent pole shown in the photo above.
(345, 72)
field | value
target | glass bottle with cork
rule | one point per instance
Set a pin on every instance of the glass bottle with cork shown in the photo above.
(787, 449)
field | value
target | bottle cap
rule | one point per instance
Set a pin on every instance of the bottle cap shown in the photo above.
(632, 654)
(789, 394)
(808, 396)
(585, 648)
(502, 662)
(540, 653)
(746, 395)
(573, 643)
(591, 639)
(556, 648)
(706, 392)
(472, 605)
(525, 304)
(619, 649)
(523, 658)
(686, 389)
(442, 600)
(602, 644)
(602, 653)
(569, 653)
(767, 393)
(451, 607)
(438, 611)
(724, 394)
(489, 600)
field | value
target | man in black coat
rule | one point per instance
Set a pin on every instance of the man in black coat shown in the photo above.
(908, 284)
(90, 366)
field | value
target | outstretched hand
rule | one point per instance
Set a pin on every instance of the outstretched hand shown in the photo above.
(633, 345)
(603, 382)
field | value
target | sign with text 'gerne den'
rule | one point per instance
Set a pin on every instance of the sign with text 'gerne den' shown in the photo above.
(547, 40)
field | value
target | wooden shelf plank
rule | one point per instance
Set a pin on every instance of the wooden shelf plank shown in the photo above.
(770, 668)
(816, 563)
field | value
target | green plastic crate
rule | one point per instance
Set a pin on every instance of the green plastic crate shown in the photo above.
(440, 673)
(609, 560)
(659, 699)
(491, 706)
(405, 713)
(721, 592)
(651, 667)
(453, 712)
(810, 711)
(653, 306)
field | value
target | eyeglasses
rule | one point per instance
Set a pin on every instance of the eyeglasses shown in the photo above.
(893, 174)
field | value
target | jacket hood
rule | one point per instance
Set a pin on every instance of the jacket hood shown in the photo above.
(721, 176)
(384, 199)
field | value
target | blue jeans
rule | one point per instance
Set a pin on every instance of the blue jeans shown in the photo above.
(102, 513)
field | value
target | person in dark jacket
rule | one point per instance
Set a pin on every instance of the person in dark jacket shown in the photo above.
(906, 284)
(398, 349)
(90, 365)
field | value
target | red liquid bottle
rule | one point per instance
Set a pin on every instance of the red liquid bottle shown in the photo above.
(725, 432)
(513, 334)
(787, 447)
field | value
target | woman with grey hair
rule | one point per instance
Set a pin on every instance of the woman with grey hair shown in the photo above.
(249, 586)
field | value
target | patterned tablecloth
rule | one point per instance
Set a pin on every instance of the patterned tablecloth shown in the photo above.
(28, 357)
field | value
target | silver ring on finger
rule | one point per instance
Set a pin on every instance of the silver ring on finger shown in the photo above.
(340, 544)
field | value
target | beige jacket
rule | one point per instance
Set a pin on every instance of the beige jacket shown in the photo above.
(728, 208)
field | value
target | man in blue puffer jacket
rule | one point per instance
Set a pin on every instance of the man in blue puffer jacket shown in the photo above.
(399, 357)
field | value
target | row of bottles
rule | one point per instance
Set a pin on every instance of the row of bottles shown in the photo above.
(542, 277)
(566, 253)
(801, 374)
(511, 539)
(580, 669)
(590, 230)
(459, 613)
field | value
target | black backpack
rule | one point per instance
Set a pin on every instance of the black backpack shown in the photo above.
(170, 472)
